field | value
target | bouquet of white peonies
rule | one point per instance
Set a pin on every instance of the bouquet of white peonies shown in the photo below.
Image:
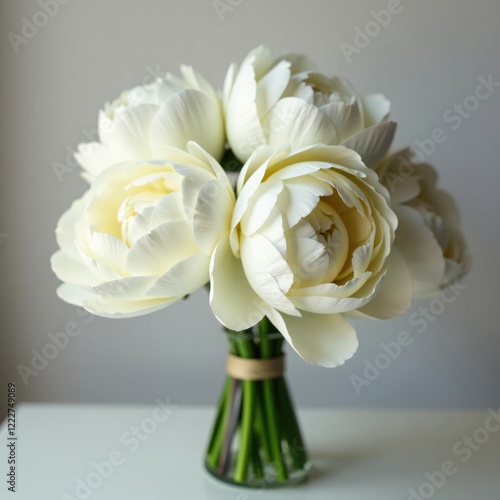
(280, 192)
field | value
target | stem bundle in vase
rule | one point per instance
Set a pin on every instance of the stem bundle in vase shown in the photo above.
(256, 438)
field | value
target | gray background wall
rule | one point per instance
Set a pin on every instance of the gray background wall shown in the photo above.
(427, 59)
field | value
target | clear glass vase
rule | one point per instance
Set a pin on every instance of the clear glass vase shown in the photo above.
(256, 440)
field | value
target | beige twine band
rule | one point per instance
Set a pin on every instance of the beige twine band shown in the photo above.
(255, 369)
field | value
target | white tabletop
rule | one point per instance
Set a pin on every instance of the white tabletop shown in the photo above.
(357, 455)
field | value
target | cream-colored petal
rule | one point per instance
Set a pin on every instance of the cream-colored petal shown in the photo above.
(183, 278)
(295, 122)
(168, 209)
(65, 231)
(260, 206)
(128, 136)
(117, 308)
(194, 178)
(323, 304)
(420, 250)
(321, 339)
(72, 294)
(196, 81)
(188, 116)
(300, 198)
(271, 87)
(72, 270)
(346, 118)
(108, 251)
(395, 292)
(376, 109)
(243, 128)
(259, 159)
(156, 252)
(132, 288)
(267, 272)
(232, 299)
(228, 85)
(212, 215)
(93, 157)
(372, 143)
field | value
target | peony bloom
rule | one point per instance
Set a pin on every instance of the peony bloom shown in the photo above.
(311, 239)
(142, 236)
(284, 101)
(147, 121)
(429, 236)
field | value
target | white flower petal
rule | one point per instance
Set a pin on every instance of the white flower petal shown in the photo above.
(72, 294)
(300, 198)
(72, 270)
(260, 59)
(376, 109)
(117, 308)
(156, 252)
(395, 292)
(260, 206)
(183, 278)
(168, 209)
(194, 179)
(188, 116)
(348, 289)
(300, 169)
(267, 272)
(65, 231)
(295, 122)
(198, 82)
(322, 339)
(93, 157)
(212, 215)
(331, 298)
(132, 288)
(128, 136)
(108, 250)
(247, 192)
(420, 250)
(228, 84)
(243, 128)
(257, 160)
(346, 118)
(310, 260)
(372, 143)
(271, 86)
(232, 299)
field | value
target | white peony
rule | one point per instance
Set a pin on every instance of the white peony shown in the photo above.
(142, 236)
(284, 101)
(429, 235)
(146, 122)
(311, 239)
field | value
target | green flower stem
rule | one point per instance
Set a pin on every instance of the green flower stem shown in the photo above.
(256, 461)
(260, 423)
(272, 421)
(294, 437)
(270, 399)
(233, 411)
(265, 343)
(246, 349)
(221, 420)
(247, 421)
